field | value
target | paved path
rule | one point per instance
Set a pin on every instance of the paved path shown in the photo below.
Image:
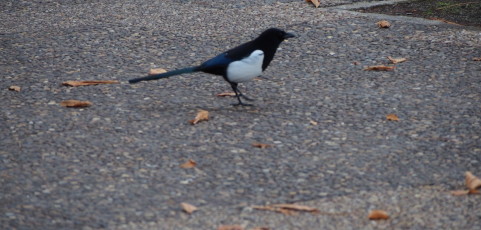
(115, 165)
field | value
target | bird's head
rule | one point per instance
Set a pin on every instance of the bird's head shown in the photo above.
(268, 42)
(276, 34)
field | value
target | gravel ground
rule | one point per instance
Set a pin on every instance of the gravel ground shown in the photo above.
(115, 165)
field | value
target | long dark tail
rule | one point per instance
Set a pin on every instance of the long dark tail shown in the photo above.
(165, 75)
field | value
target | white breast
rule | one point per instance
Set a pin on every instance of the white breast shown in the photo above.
(247, 68)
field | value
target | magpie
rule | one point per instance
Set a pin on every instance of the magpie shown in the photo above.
(237, 65)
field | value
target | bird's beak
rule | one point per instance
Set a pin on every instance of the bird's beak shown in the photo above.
(289, 35)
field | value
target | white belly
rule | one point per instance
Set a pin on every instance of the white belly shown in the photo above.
(247, 68)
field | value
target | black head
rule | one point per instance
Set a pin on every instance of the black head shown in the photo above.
(276, 34)
(268, 42)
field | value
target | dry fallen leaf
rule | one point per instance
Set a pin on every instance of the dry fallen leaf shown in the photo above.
(315, 2)
(75, 103)
(472, 192)
(378, 215)
(392, 117)
(472, 182)
(261, 145)
(464, 192)
(380, 68)
(296, 207)
(287, 209)
(189, 164)
(230, 227)
(202, 115)
(226, 94)
(14, 88)
(188, 208)
(274, 209)
(383, 24)
(396, 60)
(460, 192)
(157, 71)
(83, 83)
(477, 59)
(73, 71)
(260, 228)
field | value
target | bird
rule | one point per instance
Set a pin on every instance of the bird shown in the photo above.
(237, 65)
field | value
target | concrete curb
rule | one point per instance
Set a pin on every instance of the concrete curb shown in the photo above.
(364, 5)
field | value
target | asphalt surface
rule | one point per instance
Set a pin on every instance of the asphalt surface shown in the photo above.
(115, 165)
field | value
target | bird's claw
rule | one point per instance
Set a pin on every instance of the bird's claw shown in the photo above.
(247, 98)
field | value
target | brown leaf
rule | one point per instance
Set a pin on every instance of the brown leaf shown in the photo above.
(287, 209)
(472, 192)
(296, 207)
(392, 117)
(156, 71)
(260, 228)
(472, 182)
(14, 88)
(477, 59)
(83, 83)
(266, 207)
(378, 215)
(73, 71)
(202, 115)
(189, 164)
(380, 68)
(230, 227)
(396, 60)
(261, 145)
(460, 192)
(275, 209)
(315, 2)
(75, 103)
(226, 94)
(383, 24)
(188, 208)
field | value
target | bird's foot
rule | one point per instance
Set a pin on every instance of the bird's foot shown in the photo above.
(242, 104)
(245, 97)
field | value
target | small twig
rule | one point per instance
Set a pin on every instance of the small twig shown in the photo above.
(464, 3)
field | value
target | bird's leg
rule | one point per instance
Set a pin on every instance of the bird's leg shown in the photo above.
(238, 95)
(244, 96)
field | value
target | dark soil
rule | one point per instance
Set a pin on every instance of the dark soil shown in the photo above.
(464, 12)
